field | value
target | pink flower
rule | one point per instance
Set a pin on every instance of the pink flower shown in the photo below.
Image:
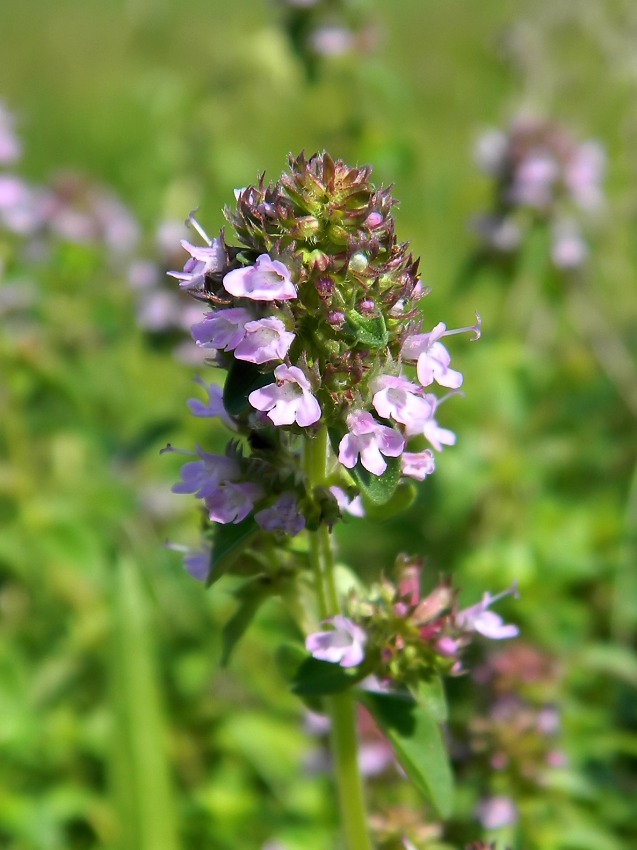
(264, 340)
(432, 358)
(418, 465)
(224, 329)
(267, 280)
(496, 812)
(371, 440)
(344, 645)
(232, 502)
(479, 619)
(399, 399)
(289, 400)
(284, 515)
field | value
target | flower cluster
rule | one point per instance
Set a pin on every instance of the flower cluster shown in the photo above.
(314, 316)
(404, 637)
(542, 174)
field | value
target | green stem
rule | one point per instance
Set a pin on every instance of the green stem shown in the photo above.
(341, 707)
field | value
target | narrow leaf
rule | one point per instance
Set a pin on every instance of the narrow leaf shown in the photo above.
(228, 542)
(316, 678)
(378, 489)
(430, 694)
(252, 595)
(417, 742)
(401, 499)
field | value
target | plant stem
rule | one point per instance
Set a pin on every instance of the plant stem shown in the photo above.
(341, 707)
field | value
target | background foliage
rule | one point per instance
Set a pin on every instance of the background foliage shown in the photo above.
(117, 728)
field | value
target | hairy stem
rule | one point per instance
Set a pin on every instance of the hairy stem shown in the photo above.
(341, 707)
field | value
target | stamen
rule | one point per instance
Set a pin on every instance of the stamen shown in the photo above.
(194, 223)
(474, 329)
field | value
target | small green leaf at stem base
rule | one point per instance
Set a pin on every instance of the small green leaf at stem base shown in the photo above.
(430, 694)
(378, 489)
(415, 736)
(252, 595)
(320, 678)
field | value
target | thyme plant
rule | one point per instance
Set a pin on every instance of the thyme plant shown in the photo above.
(313, 316)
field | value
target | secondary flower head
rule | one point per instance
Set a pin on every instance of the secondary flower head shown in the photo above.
(264, 340)
(478, 618)
(541, 174)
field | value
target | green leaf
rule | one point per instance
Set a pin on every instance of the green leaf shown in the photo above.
(402, 498)
(417, 742)
(370, 331)
(242, 379)
(430, 694)
(378, 489)
(316, 678)
(228, 542)
(251, 595)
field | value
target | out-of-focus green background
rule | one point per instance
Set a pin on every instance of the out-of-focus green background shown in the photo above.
(117, 728)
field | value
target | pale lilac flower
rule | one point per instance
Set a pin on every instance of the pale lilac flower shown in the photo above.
(437, 436)
(502, 234)
(264, 340)
(479, 619)
(371, 440)
(497, 812)
(490, 152)
(202, 477)
(223, 329)
(432, 357)
(343, 645)
(203, 260)
(569, 250)
(23, 209)
(289, 400)
(583, 175)
(214, 407)
(284, 515)
(331, 40)
(417, 465)
(232, 502)
(267, 280)
(399, 399)
(354, 506)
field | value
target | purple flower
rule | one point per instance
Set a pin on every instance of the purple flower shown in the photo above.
(418, 465)
(224, 329)
(232, 502)
(371, 440)
(214, 407)
(196, 561)
(267, 280)
(569, 250)
(284, 515)
(533, 181)
(479, 619)
(203, 261)
(264, 340)
(203, 476)
(399, 399)
(289, 400)
(432, 358)
(344, 645)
